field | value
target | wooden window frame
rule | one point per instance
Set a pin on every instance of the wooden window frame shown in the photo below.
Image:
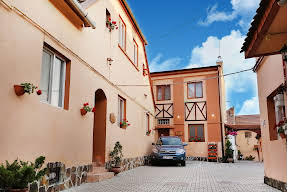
(195, 97)
(136, 63)
(125, 35)
(125, 110)
(196, 132)
(66, 84)
(163, 92)
(108, 16)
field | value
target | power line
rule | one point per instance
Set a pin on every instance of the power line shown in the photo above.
(218, 76)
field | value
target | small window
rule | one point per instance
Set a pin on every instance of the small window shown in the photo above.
(163, 92)
(147, 122)
(196, 133)
(136, 51)
(122, 34)
(163, 121)
(194, 90)
(108, 18)
(53, 77)
(121, 110)
(247, 134)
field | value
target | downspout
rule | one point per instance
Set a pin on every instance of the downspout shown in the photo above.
(221, 123)
(76, 5)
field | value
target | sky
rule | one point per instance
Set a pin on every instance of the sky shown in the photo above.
(186, 34)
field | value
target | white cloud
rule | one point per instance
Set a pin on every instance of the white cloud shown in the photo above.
(206, 54)
(157, 65)
(244, 9)
(250, 106)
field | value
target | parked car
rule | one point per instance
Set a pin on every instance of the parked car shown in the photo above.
(169, 149)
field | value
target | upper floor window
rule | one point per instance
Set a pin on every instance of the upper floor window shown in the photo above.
(122, 34)
(53, 78)
(163, 92)
(194, 90)
(136, 51)
(121, 109)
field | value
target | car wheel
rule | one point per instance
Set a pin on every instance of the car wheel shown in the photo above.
(183, 163)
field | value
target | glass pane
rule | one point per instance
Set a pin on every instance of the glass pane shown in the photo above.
(191, 131)
(57, 83)
(167, 92)
(45, 76)
(199, 89)
(159, 93)
(191, 91)
(200, 131)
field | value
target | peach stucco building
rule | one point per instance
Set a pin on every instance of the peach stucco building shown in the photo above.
(189, 104)
(73, 59)
(267, 41)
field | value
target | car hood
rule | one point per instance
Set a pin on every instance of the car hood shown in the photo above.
(169, 147)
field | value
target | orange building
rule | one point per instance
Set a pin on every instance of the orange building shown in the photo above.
(266, 40)
(189, 104)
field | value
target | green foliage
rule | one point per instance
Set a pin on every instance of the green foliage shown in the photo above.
(116, 155)
(19, 174)
(281, 130)
(228, 151)
(29, 87)
(249, 158)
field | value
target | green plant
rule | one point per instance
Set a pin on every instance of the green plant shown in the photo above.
(249, 158)
(228, 151)
(116, 155)
(240, 156)
(19, 174)
(29, 87)
(87, 108)
(124, 123)
(281, 130)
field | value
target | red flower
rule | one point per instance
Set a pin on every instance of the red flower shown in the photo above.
(86, 104)
(39, 92)
(129, 124)
(116, 27)
(114, 22)
(109, 19)
(94, 109)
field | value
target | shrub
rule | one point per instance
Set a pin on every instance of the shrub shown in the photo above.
(116, 155)
(19, 174)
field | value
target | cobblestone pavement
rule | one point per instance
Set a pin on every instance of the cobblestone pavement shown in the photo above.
(196, 176)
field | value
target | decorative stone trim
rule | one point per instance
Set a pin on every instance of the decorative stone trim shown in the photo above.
(68, 178)
(131, 163)
(276, 184)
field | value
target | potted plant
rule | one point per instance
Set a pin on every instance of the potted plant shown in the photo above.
(26, 88)
(86, 108)
(281, 132)
(228, 158)
(124, 123)
(148, 132)
(116, 158)
(15, 177)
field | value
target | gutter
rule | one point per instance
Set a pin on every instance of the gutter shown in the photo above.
(221, 123)
(76, 6)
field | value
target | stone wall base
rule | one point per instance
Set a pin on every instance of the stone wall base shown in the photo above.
(131, 163)
(276, 184)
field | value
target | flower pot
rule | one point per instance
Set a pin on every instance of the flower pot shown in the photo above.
(116, 170)
(18, 190)
(83, 112)
(123, 126)
(19, 90)
(282, 135)
(230, 160)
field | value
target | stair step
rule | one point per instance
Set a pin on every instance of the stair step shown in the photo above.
(99, 170)
(99, 176)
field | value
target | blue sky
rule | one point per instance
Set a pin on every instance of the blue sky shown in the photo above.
(187, 34)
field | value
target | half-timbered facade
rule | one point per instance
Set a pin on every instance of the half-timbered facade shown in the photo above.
(189, 104)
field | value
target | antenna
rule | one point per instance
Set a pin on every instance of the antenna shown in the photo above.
(219, 48)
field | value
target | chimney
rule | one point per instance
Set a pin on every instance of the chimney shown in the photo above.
(219, 61)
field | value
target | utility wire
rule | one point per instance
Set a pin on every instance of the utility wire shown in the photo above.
(215, 77)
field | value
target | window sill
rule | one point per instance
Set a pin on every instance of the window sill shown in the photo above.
(125, 53)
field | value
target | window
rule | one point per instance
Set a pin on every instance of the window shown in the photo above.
(194, 90)
(196, 133)
(121, 109)
(122, 34)
(163, 121)
(147, 122)
(108, 18)
(247, 134)
(163, 92)
(53, 76)
(135, 58)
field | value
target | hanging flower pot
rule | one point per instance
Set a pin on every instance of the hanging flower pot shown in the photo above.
(19, 90)
(282, 135)
(83, 112)
(86, 108)
(124, 124)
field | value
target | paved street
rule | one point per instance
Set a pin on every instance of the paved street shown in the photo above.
(196, 176)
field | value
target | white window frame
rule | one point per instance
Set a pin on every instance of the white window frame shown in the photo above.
(63, 78)
(147, 116)
(122, 34)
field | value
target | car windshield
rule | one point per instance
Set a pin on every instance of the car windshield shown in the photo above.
(170, 141)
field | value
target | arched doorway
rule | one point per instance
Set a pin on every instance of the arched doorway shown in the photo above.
(99, 135)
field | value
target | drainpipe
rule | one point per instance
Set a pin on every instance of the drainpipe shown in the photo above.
(82, 12)
(220, 105)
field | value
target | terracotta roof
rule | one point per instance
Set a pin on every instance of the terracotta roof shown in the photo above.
(243, 127)
(247, 120)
